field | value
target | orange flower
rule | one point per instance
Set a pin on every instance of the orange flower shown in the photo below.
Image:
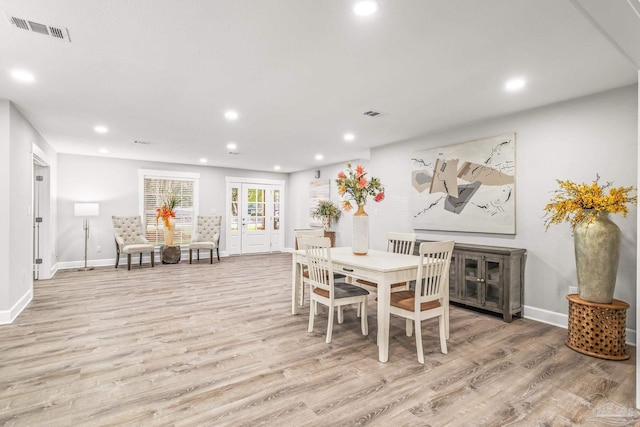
(379, 197)
(341, 175)
(359, 170)
(346, 205)
(342, 189)
(362, 182)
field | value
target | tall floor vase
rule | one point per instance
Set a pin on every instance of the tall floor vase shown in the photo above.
(360, 238)
(597, 248)
(169, 232)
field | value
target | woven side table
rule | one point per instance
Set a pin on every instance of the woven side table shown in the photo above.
(597, 329)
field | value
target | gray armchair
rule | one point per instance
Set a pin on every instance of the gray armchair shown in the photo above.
(130, 239)
(207, 236)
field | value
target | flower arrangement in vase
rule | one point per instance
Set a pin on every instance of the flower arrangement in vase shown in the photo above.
(167, 213)
(596, 238)
(354, 185)
(327, 211)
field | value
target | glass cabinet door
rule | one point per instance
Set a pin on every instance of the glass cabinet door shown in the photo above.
(493, 280)
(453, 278)
(472, 279)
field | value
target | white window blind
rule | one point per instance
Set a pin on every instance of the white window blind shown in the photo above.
(156, 190)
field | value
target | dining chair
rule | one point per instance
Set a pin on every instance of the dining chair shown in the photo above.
(130, 239)
(299, 234)
(207, 237)
(324, 289)
(399, 243)
(428, 299)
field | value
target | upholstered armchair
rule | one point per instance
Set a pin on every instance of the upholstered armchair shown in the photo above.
(207, 236)
(130, 239)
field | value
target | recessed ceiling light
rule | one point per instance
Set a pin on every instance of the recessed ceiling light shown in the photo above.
(349, 137)
(103, 151)
(515, 84)
(277, 167)
(366, 7)
(319, 157)
(232, 146)
(231, 115)
(101, 129)
(23, 76)
(203, 160)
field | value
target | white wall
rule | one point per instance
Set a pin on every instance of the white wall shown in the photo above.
(16, 162)
(572, 140)
(113, 183)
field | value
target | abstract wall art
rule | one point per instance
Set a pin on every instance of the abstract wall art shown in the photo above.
(466, 187)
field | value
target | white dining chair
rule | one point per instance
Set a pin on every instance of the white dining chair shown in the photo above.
(299, 234)
(324, 289)
(428, 299)
(399, 243)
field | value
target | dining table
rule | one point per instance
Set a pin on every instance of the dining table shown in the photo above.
(381, 267)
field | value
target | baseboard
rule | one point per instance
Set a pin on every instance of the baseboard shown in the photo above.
(8, 316)
(562, 320)
(110, 262)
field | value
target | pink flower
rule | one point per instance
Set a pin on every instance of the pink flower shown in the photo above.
(346, 205)
(362, 182)
(379, 197)
(359, 170)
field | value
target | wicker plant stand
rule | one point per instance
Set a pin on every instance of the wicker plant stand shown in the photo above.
(597, 329)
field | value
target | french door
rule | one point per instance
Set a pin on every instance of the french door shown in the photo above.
(254, 209)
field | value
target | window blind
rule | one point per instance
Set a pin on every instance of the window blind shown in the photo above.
(156, 190)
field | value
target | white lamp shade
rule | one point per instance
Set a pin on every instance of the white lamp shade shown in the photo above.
(86, 209)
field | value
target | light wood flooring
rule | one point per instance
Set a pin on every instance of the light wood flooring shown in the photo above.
(216, 345)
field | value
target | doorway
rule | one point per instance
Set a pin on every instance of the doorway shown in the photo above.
(255, 216)
(41, 216)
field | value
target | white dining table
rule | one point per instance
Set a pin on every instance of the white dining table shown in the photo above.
(383, 268)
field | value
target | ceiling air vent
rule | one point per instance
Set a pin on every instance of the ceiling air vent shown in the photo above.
(372, 113)
(57, 32)
(142, 142)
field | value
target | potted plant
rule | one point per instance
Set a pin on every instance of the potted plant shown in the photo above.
(327, 211)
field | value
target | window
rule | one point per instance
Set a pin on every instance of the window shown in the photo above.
(155, 187)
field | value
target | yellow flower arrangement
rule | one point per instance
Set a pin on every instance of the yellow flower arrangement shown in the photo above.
(575, 203)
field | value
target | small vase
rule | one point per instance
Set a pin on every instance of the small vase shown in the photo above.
(360, 238)
(597, 249)
(169, 232)
(326, 222)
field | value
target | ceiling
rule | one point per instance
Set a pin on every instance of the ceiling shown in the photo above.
(300, 73)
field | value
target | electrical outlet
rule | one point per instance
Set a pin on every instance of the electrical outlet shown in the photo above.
(99, 248)
(573, 289)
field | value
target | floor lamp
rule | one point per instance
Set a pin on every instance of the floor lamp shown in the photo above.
(86, 210)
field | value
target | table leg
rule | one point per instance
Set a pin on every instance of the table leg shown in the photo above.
(384, 299)
(295, 284)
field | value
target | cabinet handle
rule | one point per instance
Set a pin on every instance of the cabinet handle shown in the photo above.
(479, 280)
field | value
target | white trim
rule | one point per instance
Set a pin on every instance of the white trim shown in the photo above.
(111, 262)
(229, 179)
(8, 316)
(562, 320)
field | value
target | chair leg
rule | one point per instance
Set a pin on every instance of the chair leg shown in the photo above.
(117, 258)
(330, 324)
(312, 314)
(443, 335)
(141, 259)
(340, 314)
(210, 256)
(218, 253)
(153, 258)
(190, 255)
(128, 261)
(419, 342)
(198, 253)
(409, 326)
(364, 323)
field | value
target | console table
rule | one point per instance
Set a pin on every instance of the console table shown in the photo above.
(598, 329)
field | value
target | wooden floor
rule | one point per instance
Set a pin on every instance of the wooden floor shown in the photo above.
(206, 345)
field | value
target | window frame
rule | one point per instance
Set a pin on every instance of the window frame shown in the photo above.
(144, 174)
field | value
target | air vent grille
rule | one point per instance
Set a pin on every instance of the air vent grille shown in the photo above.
(142, 142)
(372, 113)
(57, 32)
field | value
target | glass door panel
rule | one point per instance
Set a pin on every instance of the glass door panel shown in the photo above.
(493, 290)
(471, 268)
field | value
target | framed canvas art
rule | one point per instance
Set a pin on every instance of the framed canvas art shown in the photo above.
(465, 187)
(319, 189)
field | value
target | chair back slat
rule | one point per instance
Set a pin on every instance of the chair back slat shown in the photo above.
(401, 243)
(320, 267)
(307, 233)
(431, 283)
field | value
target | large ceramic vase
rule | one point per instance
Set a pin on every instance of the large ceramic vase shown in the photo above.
(360, 238)
(597, 247)
(169, 231)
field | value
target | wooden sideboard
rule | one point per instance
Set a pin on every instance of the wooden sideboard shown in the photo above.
(487, 277)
